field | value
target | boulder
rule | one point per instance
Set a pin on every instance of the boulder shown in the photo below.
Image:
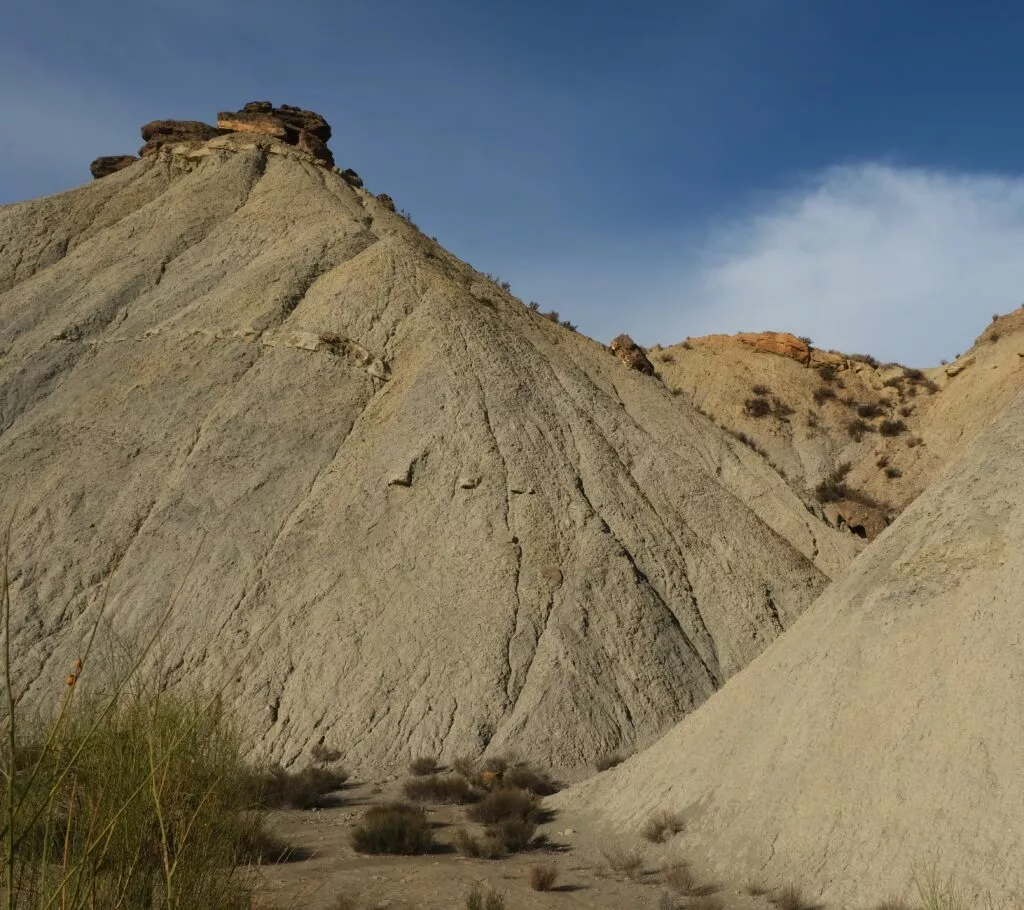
(352, 178)
(286, 122)
(631, 354)
(106, 165)
(312, 145)
(157, 133)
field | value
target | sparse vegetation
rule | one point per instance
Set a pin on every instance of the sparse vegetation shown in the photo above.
(856, 429)
(523, 777)
(882, 461)
(914, 442)
(994, 337)
(748, 441)
(543, 876)
(781, 410)
(833, 488)
(480, 898)
(438, 788)
(514, 835)
(678, 877)
(760, 389)
(667, 357)
(789, 897)
(906, 410)
(756, 888)
(892, 473)
(661, 826)
(624, 861)
(276, 788)
(823, 394)
(757, 407)
(423, 764)
(395, 828)
(892, 427)
(827, 372)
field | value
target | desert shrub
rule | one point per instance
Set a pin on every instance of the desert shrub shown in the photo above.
(882, 461)
(760, 389)
(893, 902)
(856, 429)
(276, 787)
(423, 764)
(477, 847)
(906, 410)
(806, 340)
(481, 899)
(676, 391)
(823, 394)
(513, 834)
(789, 897)
(533, 305)
(931, 386)
(914, 374)
(687, 346)
(609, 761)
(757, 407)
(827, 372)
(891, 427)
(624, 861)
(667, 358)
(813, 420)
(505, 803)
(661, 826)
(543, 876)
(438, 788)
(345, 902)
(892, 473)
(394, 828)
(994, 337)
(869, 411)
(523, 777)
(465, 765)
(894, 382)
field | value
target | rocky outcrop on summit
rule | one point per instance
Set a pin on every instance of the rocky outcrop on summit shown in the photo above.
(305, 129)
(158, 133)
(631, 354)
(426, 519)
(106, 165)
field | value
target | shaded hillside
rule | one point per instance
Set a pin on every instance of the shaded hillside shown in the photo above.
(861, 438)
(435, 521)
(881, 735)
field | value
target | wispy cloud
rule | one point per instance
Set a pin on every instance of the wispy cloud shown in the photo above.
(905, 264)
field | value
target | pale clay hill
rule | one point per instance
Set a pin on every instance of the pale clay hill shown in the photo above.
(810, 411)
(423, 518)
(882, 734)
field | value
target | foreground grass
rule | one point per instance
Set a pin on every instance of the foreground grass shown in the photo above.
(123, 796)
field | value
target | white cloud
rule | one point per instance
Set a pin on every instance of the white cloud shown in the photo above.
(904, 264)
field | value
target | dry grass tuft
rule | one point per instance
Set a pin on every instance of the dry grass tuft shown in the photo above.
(624, 861)
(756, 888)
(481, 899)
(789, 897)
(465, 765)
(276, 788)
(679, 878)
(543, 876)
(661, 826)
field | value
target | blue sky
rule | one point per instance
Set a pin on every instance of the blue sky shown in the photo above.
(849, 171)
